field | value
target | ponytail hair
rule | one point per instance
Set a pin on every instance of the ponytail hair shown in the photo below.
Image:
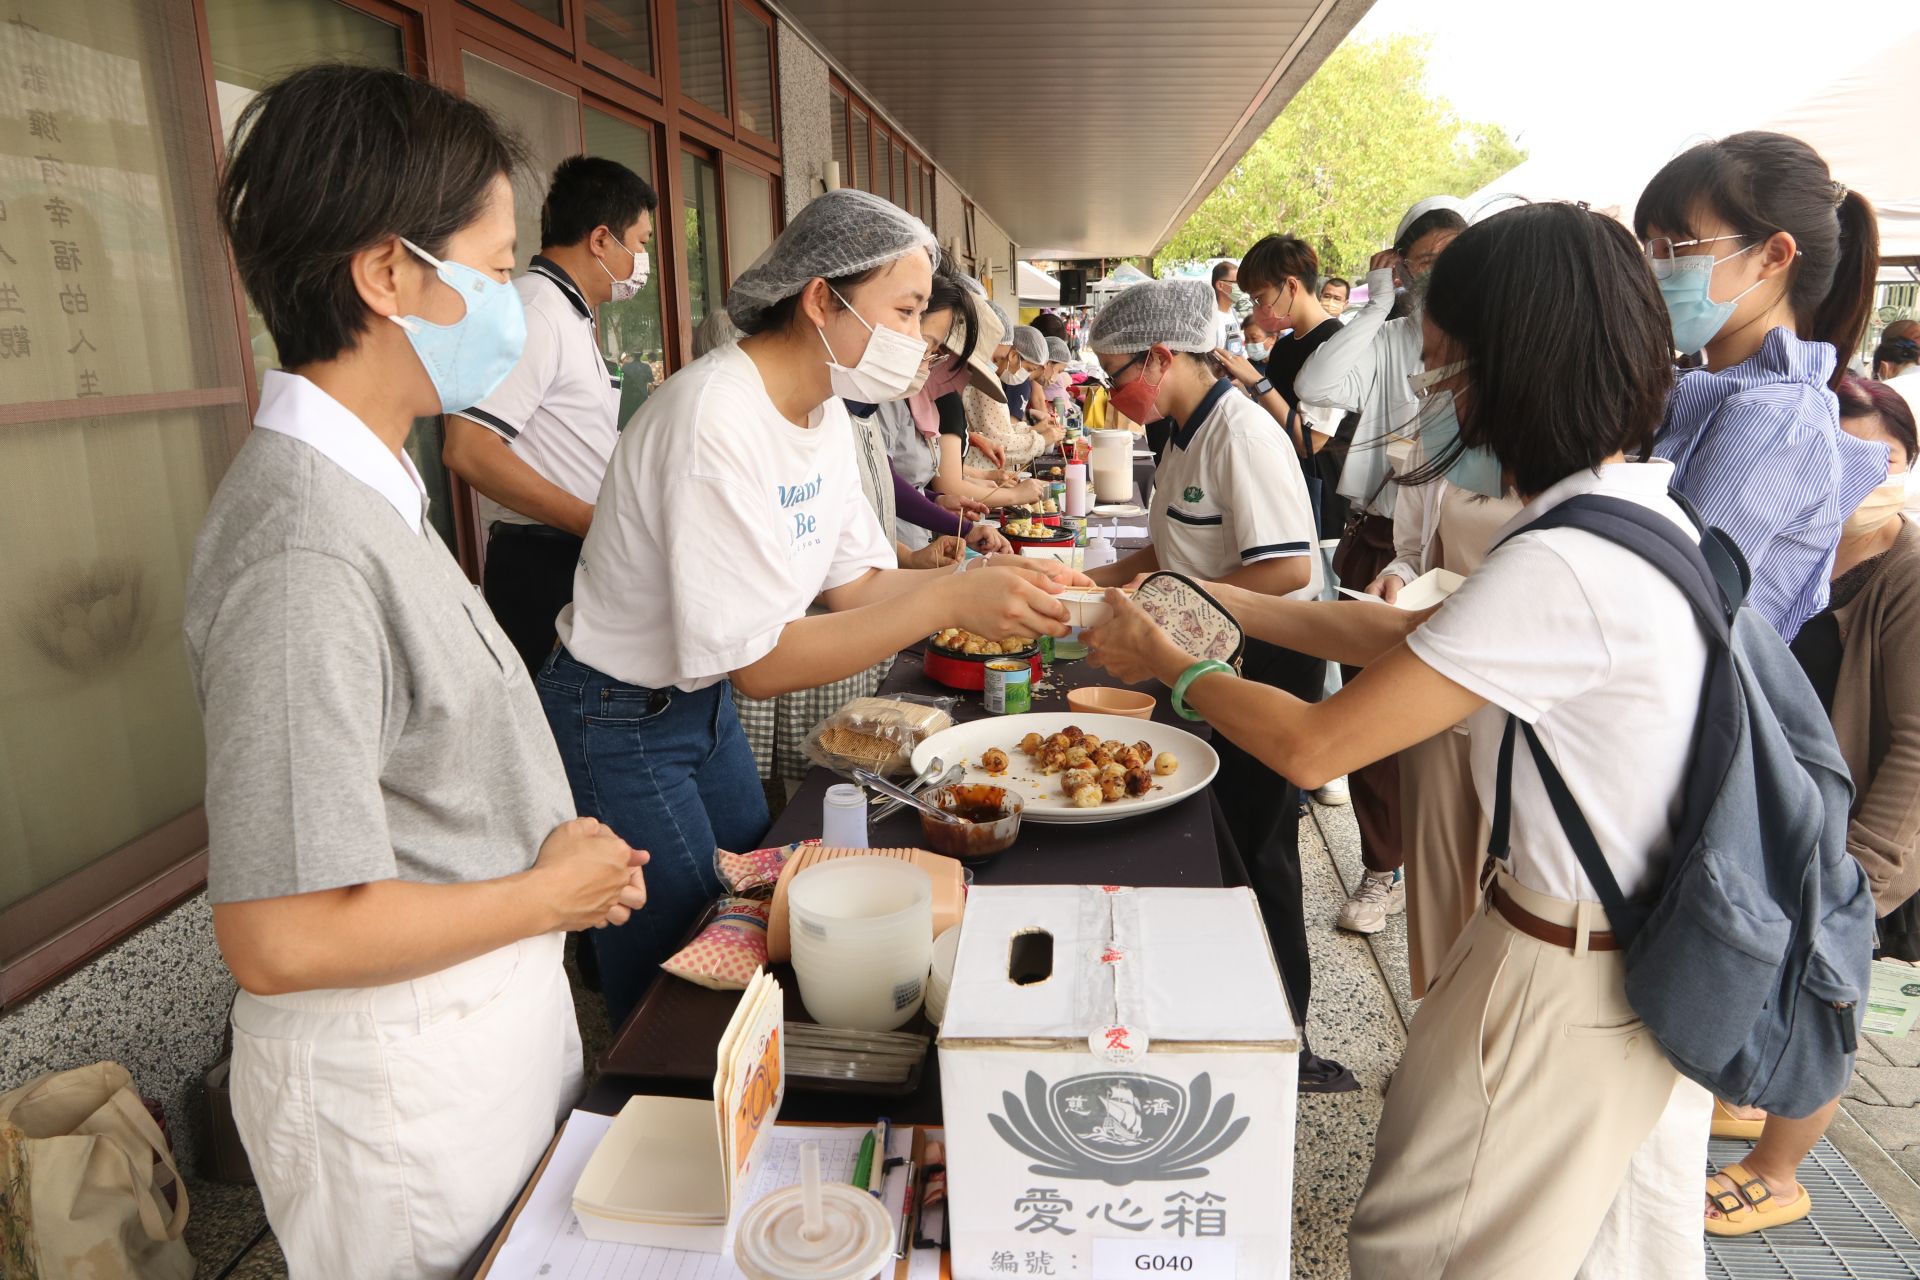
(1760, 184)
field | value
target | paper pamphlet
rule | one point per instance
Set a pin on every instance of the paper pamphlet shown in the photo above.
(1893, 998)
(667, 1172)
(545, 1240)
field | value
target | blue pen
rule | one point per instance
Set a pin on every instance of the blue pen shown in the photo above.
(877, 1176)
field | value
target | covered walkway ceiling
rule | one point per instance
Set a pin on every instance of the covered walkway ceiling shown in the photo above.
(1138, 107)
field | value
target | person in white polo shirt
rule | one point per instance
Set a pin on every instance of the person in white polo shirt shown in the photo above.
(537, 447)
(1529, 1087)
(732, 504)
(1229, 505)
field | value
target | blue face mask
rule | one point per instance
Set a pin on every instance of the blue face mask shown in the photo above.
(1476, 470)
(1691, 310)
(470, 357)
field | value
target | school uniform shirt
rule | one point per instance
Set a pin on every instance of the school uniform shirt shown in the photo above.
(1228, 493)
(1759, 451)
(719, 522)
(559, 408)
(1602, 655)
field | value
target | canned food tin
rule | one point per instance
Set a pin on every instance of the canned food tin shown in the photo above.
(1058, 492)
(1009, 688)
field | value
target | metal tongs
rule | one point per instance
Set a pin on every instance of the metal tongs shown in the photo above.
(934, 776)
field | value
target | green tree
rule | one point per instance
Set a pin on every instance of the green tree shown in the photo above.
(1342, 162)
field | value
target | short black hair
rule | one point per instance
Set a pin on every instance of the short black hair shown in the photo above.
(333, 160)
(1346, 287)
(1567, 344)
(1221, 268)
(1276, 258)
(1860, 397)
(1050, 325)
(1761, 184)
(588, 192)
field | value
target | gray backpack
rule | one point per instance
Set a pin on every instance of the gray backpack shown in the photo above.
(1750, 962)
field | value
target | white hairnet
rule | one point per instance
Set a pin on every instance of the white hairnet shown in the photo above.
(841, 233)
(1006, 322)
(1031, 346)
(1179, 314)
(1420, 210)
(1057, 352)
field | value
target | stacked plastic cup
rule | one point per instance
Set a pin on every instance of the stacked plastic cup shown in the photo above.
(862, 931)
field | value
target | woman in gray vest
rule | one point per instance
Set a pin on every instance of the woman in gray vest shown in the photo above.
(393, 852)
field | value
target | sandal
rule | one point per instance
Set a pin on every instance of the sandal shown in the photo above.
(1729, 1124)
(1753, 1208)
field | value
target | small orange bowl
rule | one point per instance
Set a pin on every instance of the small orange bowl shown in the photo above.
(1105, 700)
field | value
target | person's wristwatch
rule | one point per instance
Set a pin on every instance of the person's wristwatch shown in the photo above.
(1260, 388)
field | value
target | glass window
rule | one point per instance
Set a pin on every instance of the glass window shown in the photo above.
(703, 54)
(862, 138)
(624, 29)
(753, 70)
(749, 217)
(705, 285)
(880, 141)
(119, 340)
(631, 332)
(548, 9)
(900, 175)
(548, 122)
(840, 136)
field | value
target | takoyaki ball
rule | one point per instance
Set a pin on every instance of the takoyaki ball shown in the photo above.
(1130, 757)
(1139, 782)
(1165, 763)
(1087, 797)
(1145, 748)
(1074, 779)
(1071, 733)
(1101, 756)
(1078, 758)
(1113, 788)
(1114, 770)
(1031, 744)
(994, 760)
(1060, 741)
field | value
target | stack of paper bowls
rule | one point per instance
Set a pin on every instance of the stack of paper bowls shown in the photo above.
(862, 934)
(940, 981)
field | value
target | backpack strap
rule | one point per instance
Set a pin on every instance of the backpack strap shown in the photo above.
(1713, 576)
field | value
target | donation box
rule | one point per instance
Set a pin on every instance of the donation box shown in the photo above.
(1118, 1071)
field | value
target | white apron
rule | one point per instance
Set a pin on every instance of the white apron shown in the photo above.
(390, 1127)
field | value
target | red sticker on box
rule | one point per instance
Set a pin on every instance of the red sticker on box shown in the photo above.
(1118, 1045)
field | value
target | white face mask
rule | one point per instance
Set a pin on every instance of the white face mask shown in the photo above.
(636, 275)
(887, 369)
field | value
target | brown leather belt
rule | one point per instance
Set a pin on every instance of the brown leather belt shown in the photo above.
(1559, 935)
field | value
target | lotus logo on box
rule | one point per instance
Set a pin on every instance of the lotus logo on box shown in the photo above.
(1119, 1128)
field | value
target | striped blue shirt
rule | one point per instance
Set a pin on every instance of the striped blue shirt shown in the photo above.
(1759, 450)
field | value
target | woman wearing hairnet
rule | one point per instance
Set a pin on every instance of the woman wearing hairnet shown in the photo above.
(1229, 505)
(732, 503)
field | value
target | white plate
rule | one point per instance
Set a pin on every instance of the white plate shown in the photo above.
(1120, 509)
(1045, 801)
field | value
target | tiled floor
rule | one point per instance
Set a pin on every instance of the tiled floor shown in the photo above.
(1361, 1008)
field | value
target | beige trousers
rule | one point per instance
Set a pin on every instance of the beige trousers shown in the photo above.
(1445, 837)
(1527, 1087)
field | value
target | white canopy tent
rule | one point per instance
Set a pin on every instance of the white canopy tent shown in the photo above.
(1037, 288)
(1861, 122)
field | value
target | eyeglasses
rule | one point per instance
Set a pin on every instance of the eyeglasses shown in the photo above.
(1660, 252)
(1113, 379)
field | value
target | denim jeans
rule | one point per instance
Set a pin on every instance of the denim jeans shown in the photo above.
(671, 773)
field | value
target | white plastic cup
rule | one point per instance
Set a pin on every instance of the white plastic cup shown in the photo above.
(862, 939)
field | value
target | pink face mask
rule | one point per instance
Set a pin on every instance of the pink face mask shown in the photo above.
(950, 373)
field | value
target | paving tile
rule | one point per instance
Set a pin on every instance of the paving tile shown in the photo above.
(222, 1221)
(1897, 1086)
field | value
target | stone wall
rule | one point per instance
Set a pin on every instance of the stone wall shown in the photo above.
(806, 119)
(156, 1003)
